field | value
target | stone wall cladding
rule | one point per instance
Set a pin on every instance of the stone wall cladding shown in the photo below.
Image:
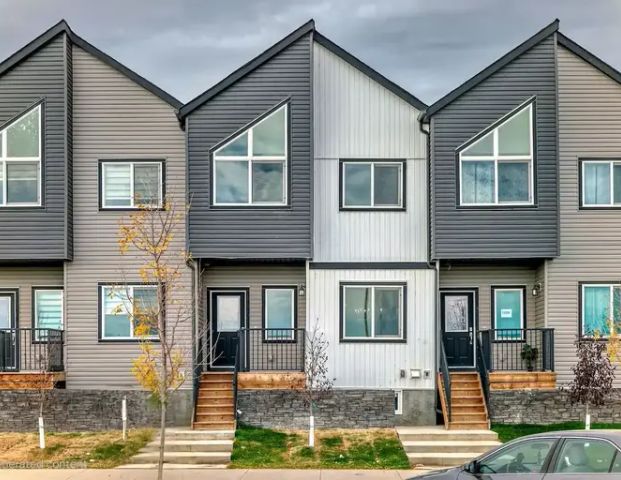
(88, 410)
(342, 409)
(542, 407)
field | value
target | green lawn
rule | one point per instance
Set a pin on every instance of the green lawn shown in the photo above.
(509, 432)
(361, 449)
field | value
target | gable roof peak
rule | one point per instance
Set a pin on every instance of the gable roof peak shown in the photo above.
(538, 37)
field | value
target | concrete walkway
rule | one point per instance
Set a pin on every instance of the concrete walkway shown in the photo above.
(201, 474)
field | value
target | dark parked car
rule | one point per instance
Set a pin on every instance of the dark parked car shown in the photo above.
(576, 455)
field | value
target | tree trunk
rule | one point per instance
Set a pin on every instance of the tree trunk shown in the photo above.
(160, 465)
(41, 427)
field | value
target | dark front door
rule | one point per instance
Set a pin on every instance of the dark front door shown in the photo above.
(228, 315)
(458, 335)
(8, 343)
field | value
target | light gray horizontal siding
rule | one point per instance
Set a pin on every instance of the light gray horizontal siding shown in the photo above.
(356, 117)
(255, 232)
(484, 278)
(39, 233)
(589, 126)
(469, 233)
(113, 118)
(377, 365)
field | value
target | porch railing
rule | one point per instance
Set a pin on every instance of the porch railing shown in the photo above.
(446, 381)
(31, 349)
(265, 349)
(518, 349)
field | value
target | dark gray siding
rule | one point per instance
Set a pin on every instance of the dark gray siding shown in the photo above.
(253, 232)
(69, 148)
(524, 232)
(39, 233)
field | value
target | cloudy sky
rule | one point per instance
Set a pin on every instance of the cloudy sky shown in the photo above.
(427, 46)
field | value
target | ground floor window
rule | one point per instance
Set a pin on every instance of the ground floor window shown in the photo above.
(601, 306)
(279, 313)
(48, 308)
(127, 312)
(372, 312)
(508, 312)
(398, 402)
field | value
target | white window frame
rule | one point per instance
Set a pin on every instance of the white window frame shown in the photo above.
(251, 159)
(611, 165)
(5, 159)
(522, 292)
(373, 337)
(292, 290)
(611, 304)
(36, 291)
(373, 164)
(496, 158)
(132, 165)
(129, 289)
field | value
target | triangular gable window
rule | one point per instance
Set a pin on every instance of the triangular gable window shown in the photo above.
(251, 168)
(20, 161)
(497, 169)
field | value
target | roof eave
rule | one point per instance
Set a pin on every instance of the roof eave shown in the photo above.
(588, 57)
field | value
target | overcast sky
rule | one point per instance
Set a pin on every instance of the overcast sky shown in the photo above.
(427, 46)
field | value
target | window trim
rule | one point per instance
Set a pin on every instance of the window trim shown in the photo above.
(250, 158)
(45, 288)
(294, 292)
(582, 205)
(402, 163)
(403, 313)
(101, 287)
(581, 286)
(399, 401)
(132, 162)
(523, 306)
(17, 160)
(496, 158)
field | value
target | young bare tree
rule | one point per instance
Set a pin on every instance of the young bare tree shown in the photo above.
(163, 322)
(317, 385)
(593, 376)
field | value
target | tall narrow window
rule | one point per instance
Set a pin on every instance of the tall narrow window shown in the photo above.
(20, 161)
(374, 184)
(497, 169)
(601, 183)
(251, 169)
(279, 313)
(131, 184)
(601, 308)
(372, 312)
(509, 315)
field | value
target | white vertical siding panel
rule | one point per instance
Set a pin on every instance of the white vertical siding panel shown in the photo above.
(356, 117)
(113, 118)
(369, 365)
(589, 126)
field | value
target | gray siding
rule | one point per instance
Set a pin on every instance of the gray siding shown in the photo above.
(469, 233)
(356, 117)
(484, 278)
(254, 232)
(39, 233)
(114, 119)
(589, 126)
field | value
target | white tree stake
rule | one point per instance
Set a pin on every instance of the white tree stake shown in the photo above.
(41, 433)
(311, 432)
(124, 415)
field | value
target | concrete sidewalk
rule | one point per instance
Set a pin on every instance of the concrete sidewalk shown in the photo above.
(211, 474)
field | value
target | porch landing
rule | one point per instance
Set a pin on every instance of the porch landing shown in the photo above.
(520, 380)
(30, 380)
(271, 380)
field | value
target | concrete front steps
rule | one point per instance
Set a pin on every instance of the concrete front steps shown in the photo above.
(439, 447)
(189, 447)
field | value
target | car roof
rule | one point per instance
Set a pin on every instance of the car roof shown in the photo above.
(611, 435)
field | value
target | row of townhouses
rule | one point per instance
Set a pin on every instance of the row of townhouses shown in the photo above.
(421, 240)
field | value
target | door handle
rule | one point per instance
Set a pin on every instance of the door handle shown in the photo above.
(470, 335)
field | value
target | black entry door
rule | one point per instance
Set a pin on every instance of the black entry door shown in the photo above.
(458, 335)
(8, 334)
(228, 315)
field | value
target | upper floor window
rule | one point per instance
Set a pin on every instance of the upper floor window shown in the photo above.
(601, 183)
(373, 184)
(20, 161)
(497, 169)
(601, 306)
(131, 184)
(251, 169)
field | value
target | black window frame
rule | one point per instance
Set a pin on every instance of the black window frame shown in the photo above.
(33, 302)
(389, 208)
(264, 326)
(524, 312)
